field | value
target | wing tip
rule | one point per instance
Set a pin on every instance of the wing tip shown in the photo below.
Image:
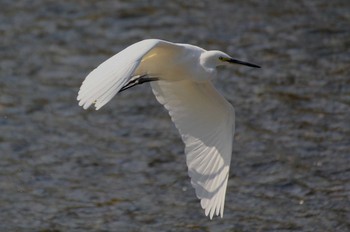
(213, 205)
(85, 104)
(211, 210)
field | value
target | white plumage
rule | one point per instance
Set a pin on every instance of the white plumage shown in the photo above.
(180, 76)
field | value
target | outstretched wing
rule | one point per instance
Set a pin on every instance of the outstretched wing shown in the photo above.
(109, 77)
(205, 121)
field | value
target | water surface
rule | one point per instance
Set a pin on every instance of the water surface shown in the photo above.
(122, 168)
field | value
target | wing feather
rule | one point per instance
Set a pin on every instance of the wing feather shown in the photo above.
(205, 121)
(109, 77)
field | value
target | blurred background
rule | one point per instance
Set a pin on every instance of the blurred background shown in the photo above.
(122, 168)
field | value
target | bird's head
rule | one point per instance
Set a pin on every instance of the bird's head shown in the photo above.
(215, 58)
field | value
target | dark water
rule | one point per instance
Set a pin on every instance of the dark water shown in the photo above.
(123, 169)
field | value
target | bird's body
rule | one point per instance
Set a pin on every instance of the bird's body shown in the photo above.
(173, 71)
(180, 76)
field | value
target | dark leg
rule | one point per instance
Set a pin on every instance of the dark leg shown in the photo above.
(138, 80)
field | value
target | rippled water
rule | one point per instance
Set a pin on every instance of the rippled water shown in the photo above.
(122, 168)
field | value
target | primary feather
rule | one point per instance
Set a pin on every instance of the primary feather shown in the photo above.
(109, 77)
(205, 121)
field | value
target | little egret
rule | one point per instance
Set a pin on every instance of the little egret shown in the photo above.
(180, 76)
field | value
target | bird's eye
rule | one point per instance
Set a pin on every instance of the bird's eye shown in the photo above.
(221, 58)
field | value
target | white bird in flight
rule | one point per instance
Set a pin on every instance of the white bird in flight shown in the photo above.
(180, 76)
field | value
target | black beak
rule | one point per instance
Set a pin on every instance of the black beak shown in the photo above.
(234, 61)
